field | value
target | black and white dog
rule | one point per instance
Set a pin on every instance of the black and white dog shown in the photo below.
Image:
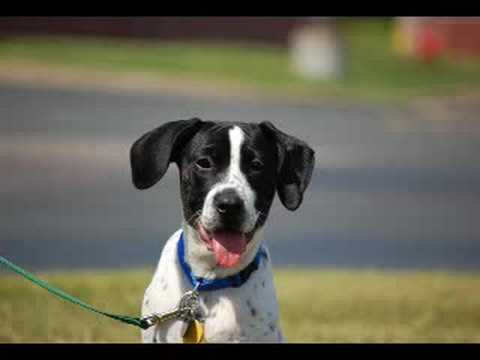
(229, 173)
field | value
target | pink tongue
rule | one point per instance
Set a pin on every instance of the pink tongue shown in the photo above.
(228, 247)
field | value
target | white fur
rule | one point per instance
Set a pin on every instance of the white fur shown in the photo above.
(228, 313)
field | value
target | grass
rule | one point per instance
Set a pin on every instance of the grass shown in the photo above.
(316, 306)
(374, 72)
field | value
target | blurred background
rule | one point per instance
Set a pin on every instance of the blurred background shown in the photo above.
(390, 105)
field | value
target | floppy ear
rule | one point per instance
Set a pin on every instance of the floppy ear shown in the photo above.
(296, 161)
(152, 153)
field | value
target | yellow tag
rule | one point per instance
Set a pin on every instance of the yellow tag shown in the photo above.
(194, 333)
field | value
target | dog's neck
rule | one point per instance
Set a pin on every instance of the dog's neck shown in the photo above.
(202, 261)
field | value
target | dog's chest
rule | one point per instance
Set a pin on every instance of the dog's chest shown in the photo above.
(249, 313)
(245, 314)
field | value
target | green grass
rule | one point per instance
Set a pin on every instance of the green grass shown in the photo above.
(374, 71)
(316, 306)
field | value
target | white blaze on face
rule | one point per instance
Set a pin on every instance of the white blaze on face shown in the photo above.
(236, 180)
(219, 262)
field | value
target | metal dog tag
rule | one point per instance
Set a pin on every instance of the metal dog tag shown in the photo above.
(192, 314)
(194, 333)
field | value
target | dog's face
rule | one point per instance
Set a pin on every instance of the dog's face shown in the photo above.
(229, 173)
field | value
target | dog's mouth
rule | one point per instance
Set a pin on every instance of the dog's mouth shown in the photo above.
(227, 245)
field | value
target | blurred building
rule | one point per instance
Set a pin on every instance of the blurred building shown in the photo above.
(273, 30)
(429, 37)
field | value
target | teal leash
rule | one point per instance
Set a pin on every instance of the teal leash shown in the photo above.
(135, 321)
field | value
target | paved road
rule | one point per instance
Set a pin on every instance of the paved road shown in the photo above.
(390, 188)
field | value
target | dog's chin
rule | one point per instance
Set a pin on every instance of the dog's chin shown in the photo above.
(227, 245)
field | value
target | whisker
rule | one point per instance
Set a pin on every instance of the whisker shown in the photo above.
(261, 215)
(195, 217)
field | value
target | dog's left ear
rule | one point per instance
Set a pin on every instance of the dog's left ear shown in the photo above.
(152, 153)
(296, 161)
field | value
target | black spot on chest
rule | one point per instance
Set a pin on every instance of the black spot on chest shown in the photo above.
(251, 308)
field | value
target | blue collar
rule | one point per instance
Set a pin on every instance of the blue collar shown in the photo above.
(236, 280)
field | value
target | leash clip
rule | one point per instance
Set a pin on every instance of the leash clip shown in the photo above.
(149, 321)
(187, 310)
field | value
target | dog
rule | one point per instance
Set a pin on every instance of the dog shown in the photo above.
(229, 173)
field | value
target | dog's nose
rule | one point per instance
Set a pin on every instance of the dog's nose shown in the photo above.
(228, 202)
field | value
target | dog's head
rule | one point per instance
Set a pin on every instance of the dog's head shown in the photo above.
(229, 173)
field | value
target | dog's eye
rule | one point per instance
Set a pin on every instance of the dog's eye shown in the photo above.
(204, 164)
(256, 165)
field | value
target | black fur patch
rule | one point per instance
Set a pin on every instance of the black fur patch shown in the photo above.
(286, 162)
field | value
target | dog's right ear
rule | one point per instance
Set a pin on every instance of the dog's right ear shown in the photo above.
(152, 153)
